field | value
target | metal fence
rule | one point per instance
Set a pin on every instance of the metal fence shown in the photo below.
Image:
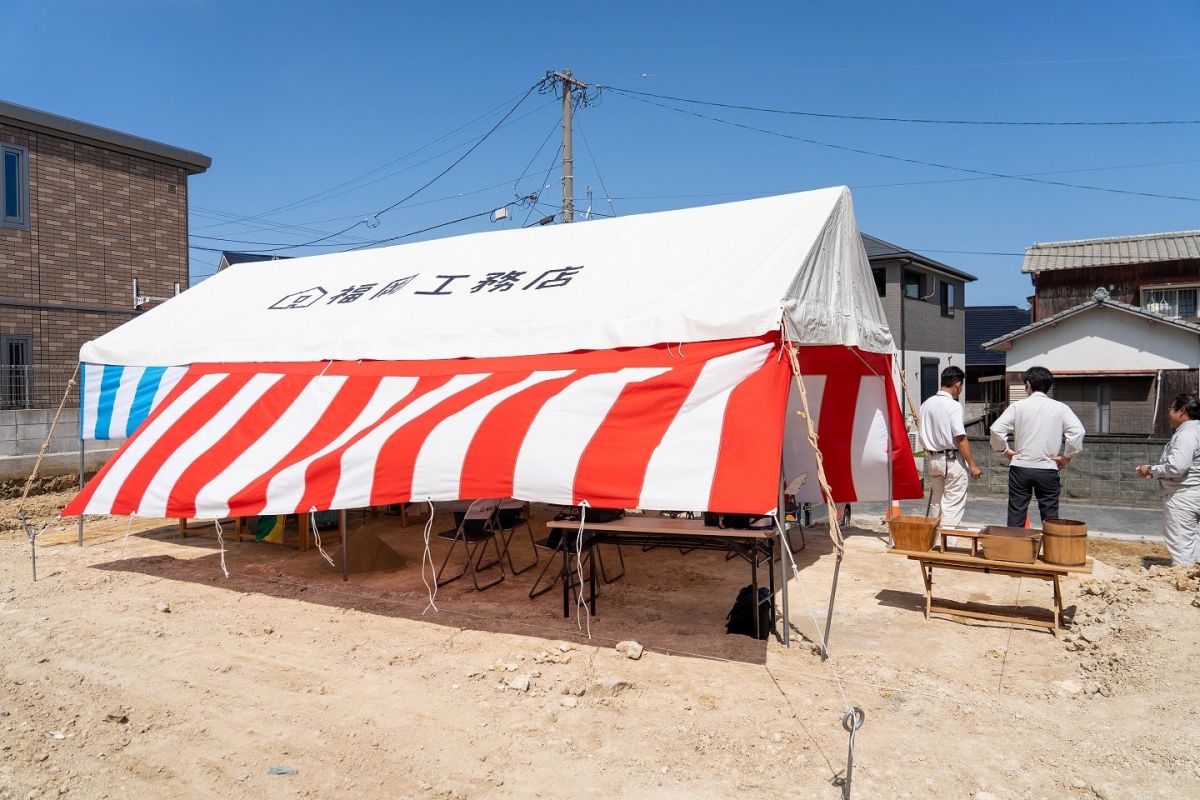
(36, 386)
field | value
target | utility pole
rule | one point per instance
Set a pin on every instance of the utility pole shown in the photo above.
(569, 87)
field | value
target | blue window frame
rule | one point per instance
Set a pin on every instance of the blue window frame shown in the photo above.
(14, 186)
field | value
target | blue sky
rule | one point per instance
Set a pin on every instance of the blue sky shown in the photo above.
(293, 98)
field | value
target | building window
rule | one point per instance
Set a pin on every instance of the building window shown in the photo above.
(14, 186)
(880, 281)
(1103, 408)
(913, 285)
(947, 299)
(16, 370)
(1178, 302)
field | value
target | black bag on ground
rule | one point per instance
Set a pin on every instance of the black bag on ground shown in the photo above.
(740, 618)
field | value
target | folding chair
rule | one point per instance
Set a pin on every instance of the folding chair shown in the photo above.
(511, 515)
(475, 531)
(566, 544)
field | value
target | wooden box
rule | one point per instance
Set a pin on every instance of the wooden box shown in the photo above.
(913, 532)
(1019, 545)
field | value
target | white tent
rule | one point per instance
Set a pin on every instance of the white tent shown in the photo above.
(629, 361)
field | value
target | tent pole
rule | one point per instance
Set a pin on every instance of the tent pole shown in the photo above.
(81, 484)
(837, 567)
(783, 558)
(345, 546)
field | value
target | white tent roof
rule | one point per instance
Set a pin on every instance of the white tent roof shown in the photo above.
(709, 273)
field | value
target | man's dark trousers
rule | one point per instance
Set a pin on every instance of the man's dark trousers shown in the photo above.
(1026, 481)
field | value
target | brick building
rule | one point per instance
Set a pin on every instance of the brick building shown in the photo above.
(85, 212)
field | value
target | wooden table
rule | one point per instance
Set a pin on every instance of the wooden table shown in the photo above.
(685, 533)
(1038, 570)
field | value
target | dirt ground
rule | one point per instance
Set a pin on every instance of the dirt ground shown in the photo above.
(134, 668)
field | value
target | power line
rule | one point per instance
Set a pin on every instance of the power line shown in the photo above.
(455, 196)
(427, 145)
(592, 158)
(903, 159)
(430, 228)
(758, 73)
(423, 186)
(918, 120)
(545, 178)
(860, 186)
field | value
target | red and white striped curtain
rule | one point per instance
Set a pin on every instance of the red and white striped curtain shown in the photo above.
(698, 426)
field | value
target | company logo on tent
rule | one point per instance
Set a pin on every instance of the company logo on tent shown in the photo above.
(301, 299)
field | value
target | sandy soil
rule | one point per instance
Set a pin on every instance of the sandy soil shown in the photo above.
(134, 668)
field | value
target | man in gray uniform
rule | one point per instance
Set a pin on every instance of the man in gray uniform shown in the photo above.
(1178, 474)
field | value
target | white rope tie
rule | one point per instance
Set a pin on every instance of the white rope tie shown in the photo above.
(580, 603)
(312, 521)
(432, 590)
(125, 538)
(808, 607)
(221, 541)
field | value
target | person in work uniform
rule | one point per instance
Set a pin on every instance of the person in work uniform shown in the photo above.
(1178, 474)
(948, 459)
(1046, 434)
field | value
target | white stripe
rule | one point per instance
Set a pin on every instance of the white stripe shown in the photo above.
(170, 377)
(357, 477)
(437, 472)
(680, 471)
(123, 401)
(158, 491)
(286, 489)
(285, 433)
(135, 449)
(798, 456)
(549, 455)
(869, 442)
(93, 374)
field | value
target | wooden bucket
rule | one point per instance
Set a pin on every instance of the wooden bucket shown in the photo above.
(913, 532)
(1064, 542)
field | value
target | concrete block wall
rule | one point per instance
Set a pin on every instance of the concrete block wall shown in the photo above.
(22, 433)
(1103, 472)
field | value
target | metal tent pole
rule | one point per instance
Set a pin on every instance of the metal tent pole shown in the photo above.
(81, 483)
(837, 567)
(345, 546)
(783, 558)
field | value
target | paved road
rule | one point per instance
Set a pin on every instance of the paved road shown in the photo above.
(1112, 521)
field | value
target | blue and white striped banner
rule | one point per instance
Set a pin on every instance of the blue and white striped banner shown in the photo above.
(116, 400)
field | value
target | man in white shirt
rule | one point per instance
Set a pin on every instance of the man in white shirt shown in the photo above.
(947, 453)
(1039, 427)
(1178, 474)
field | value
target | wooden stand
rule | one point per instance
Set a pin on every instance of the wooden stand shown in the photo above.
(1038, 570)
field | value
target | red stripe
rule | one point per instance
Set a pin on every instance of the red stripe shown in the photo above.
(746, 478)
(841, 360)
(491, 458)
(612, 467)
(256, 421)
(906, 483)
(347, 403)
(836, 434)
(322, 475)
(392, 481)
(129, 497)
(659, 355)
(77, 505)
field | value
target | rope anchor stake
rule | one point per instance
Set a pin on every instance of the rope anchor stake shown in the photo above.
(852, 720)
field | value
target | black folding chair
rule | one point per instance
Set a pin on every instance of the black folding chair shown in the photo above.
(476, 529)
(511, 515)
